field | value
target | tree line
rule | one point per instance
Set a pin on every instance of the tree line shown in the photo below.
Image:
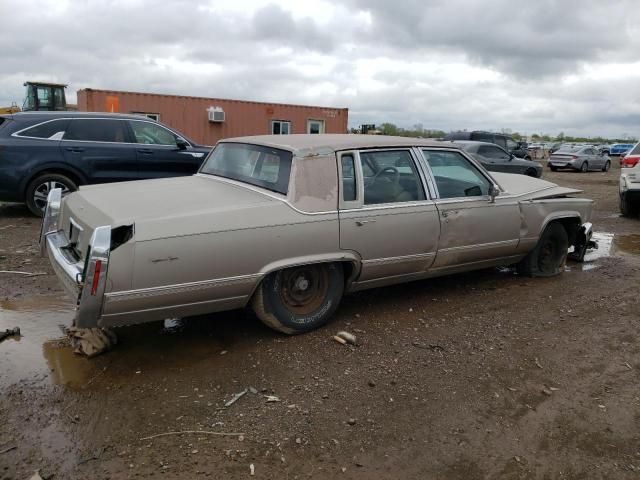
(418, 131)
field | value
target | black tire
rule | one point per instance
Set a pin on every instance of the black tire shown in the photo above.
(628, 208)
(531, 172)
(527, 157)
(39, 187)
(299, 299)
(549, 256)
(553, 169)
(584, 168)
(607, 166)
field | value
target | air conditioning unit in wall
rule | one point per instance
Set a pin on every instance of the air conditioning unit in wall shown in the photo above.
(216, 114)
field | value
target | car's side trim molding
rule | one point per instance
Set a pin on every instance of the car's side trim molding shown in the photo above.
(503, 243)
(401, 259)
(126, 295)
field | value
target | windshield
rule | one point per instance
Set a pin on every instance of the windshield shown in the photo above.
(254, 164)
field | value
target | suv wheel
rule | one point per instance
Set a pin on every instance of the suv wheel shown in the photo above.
(39, 188)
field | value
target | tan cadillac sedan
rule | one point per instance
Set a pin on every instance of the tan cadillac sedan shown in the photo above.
(288, 224)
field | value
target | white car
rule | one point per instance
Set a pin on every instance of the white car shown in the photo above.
(630, 190)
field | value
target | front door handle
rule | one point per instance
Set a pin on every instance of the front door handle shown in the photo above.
(146, 151)
(75, 149)
(360, 223)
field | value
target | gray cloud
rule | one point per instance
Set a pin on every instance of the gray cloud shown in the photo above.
(445, 64)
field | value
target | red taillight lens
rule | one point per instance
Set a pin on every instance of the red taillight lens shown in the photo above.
(96, 277)
(630, 161)
(575, 157)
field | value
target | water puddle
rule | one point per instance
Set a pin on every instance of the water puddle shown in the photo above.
(609, 245)
(42, 355)
(41, 351)
(629, 244)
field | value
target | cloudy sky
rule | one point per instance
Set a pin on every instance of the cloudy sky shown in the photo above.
(532, 66)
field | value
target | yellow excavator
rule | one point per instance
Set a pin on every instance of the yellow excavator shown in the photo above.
(41, 96)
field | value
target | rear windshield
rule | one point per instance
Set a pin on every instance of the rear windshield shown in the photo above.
(257, 165)
(567, 149)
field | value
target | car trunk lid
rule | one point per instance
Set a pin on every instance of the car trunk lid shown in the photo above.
(163, 207)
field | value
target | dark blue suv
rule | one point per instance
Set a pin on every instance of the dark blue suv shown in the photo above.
(44, 150)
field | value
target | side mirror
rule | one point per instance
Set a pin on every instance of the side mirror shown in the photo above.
(494, 191)
(181, 143)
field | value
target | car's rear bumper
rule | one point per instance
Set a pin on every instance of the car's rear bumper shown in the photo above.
(83, 279)
(561, 164)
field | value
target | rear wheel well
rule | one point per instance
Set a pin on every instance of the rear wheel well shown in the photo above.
(77, 179)
(350, 271)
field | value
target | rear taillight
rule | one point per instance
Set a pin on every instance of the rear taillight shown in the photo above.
(96, 277)
(630, 162)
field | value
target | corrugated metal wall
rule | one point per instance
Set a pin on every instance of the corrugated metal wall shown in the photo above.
(189, 114)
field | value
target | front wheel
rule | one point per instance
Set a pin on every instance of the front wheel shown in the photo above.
(553, 169)
(550, 254)
(531, 173)
(39, 188)
(584, 167)
(607, 166)
(301, 298)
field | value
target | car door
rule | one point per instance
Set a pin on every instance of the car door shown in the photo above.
(386, 214)
(101, 148)
(498, 159)
(158, 152)
(472, 228)
(596, 161)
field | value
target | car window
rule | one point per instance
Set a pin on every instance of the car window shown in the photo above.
(152, 133)
(50, 129)
(500, 140)
(390, 176)
(456, 176)
(482, 137)
(254, 164)
(349, 191)
(492, 152)
(97, 130)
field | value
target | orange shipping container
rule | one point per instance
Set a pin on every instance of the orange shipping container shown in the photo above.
(207, 120)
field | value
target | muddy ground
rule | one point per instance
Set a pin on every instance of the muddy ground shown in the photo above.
(482, 375)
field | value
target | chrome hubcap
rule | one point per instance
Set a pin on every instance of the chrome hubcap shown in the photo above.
(41, 192)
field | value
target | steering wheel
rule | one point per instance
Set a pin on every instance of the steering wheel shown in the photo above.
(394, 170)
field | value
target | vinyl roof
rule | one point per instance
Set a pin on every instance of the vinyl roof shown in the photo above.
(305, 144)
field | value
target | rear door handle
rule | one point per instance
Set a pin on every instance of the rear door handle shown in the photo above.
(360, 223)
(145, 151)
(75, 149)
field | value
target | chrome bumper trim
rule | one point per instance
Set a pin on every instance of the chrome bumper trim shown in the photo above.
(84, 283)
(68, 272)
(50, 219)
